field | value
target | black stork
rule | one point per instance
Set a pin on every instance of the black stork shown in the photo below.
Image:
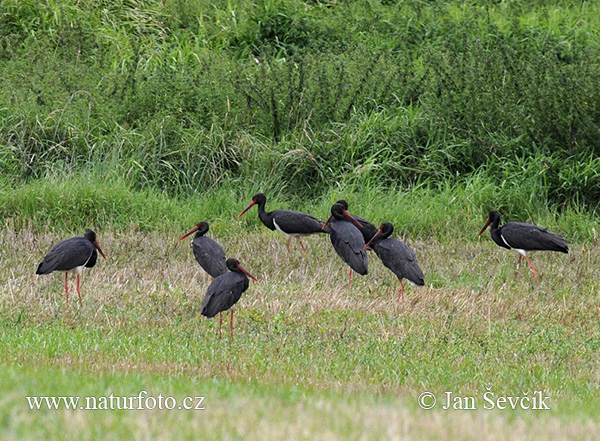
(347, 240)
(523, 237)
(208, 253)
(291, 223)
(397, 256)
(367, 229)
(72, 255)
(225, 291)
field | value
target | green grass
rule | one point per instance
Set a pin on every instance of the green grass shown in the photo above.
(101, 202)
(238, 410)
(339, 362)
(294, 96)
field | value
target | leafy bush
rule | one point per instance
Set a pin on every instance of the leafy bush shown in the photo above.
(298, 97)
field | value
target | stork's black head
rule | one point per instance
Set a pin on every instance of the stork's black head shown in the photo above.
(91, 236)
(384, 232)
(258, 199)
(343, 203)
(234, 265)
(339, 212)
(201, 228)
(386, 229)
(493, 219)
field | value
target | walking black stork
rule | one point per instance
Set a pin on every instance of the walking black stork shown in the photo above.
(291, 223)
(367, 229)
(347, 240)
(524, 237)
(225, 291)
(208, 253)
(72, 255)
(397, 256)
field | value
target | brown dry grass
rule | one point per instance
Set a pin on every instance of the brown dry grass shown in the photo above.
(300, 326)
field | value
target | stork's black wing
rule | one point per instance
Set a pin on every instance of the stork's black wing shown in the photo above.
(223, 293)
(67, 255)
(401, 259)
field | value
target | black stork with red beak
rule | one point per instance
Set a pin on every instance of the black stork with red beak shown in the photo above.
(72, 255)
(291, 223)
(225, 291)
(208, 253)
(347, 240)
(397, 256)
(523, 237)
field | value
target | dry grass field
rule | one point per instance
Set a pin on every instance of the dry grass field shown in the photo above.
(311, 358)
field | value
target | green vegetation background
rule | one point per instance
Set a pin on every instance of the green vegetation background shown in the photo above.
(196, 105)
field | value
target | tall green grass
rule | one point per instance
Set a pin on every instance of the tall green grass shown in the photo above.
(72, 203)
(300, 97)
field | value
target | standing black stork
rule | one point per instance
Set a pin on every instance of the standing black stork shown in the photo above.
(397, 256)
(347, 240)
(72, 255)
(524, 237)
(225, 291)
(291, 223)
(367, 229)
(208, 253)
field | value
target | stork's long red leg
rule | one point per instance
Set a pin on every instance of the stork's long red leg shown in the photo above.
(518, 265)
(67, 287)
(79, 291)
(401, 291)
(532, 269)
(220, 323)
(303, 247)
(231, 324)
(350, 279)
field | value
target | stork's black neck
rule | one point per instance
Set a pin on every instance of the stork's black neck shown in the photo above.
(494, 218)
(495, 230)
(266, 217)
(385, 231)
(496, 234)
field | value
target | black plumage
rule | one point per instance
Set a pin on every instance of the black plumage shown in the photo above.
(72, 255)
(225, 291)
(208, 253)
(397, 256)
(291, 223)
(367, 229)
(347, 240)
(523, 237)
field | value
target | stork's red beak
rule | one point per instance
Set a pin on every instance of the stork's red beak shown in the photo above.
(376, 234)
(326, 223)
(242, 269)
(351, 219)
(193, 230)
(99, 249)
(487, 224)
(250, 205)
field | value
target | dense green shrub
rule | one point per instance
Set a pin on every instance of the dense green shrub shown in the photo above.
(298, 96)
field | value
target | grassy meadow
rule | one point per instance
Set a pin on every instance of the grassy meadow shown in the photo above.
(310, 357)
(140, 118)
